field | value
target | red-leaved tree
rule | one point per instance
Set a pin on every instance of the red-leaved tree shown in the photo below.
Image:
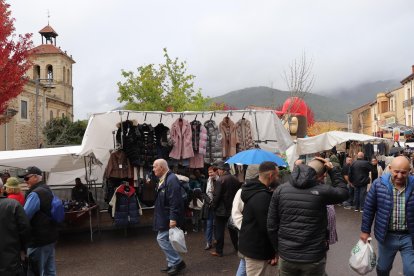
(14, 58)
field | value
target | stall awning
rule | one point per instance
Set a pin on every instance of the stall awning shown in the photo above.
(403, 128)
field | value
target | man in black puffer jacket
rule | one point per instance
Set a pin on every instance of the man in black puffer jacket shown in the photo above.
(254, 242)
(297, 218)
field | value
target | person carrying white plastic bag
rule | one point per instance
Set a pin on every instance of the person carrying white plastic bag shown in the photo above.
(177, 239)
(363, 258)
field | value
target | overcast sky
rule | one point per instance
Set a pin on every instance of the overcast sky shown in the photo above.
(228, 44)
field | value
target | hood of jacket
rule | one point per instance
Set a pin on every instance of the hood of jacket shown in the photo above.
(251, 188)
(303, 177)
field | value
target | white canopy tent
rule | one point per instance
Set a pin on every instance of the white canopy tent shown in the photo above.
(267, 128)
(64, 164)
(327, 141)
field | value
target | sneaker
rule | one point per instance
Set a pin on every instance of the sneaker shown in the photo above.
(356, 210)
(348, 207)
(361, 211)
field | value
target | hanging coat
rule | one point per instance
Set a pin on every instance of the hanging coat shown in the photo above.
(125, 206)
(163, 147)
(182, 148)
(118, 166)
(197, 161)
(214, 147)
(229, 140)
(127, 137)
(244, 135)
(147, 142)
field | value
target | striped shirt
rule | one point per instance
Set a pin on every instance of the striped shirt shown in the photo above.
(397, 220)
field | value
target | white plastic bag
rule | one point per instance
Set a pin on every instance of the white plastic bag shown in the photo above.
(177, 239)
(363, 258)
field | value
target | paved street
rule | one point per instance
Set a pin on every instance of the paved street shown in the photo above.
(138, 254)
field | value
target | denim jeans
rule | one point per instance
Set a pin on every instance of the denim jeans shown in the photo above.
(42, 260)
(388, 250)
(241, 270)
(350, 200)
(209, 227)
(359, 197)
(173, 258)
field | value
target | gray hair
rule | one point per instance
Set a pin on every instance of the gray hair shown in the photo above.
(162, 163)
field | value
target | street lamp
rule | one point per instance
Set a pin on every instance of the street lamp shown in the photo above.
(47, 85)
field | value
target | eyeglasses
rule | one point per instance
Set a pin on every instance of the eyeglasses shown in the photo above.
(27, 177)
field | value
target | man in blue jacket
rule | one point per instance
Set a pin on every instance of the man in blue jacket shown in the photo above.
(168, 213)
(391, 202)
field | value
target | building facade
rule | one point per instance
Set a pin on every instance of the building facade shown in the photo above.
(408, 97)
(47, 94)
(381, 117)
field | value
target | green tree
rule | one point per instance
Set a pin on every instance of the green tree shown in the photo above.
(61, 131)
(167, 87)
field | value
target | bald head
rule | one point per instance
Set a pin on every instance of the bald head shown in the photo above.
(400, 169)
(400, 162)
(360, 155)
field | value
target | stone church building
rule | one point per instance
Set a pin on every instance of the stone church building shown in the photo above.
(48, 94)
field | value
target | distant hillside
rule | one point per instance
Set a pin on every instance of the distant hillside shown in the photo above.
(324, 108)
(364, 93)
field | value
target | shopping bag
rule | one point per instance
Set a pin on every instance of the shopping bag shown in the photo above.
(177, 239)
(363, 258)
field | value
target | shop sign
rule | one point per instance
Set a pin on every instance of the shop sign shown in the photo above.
(390, 120)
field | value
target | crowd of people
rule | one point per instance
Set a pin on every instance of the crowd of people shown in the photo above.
(292, 224)
(27, 229)
(289, 223)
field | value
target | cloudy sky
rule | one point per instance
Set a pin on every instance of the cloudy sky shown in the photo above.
(228, 44)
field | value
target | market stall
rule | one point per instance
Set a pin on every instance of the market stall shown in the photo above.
(326, 141)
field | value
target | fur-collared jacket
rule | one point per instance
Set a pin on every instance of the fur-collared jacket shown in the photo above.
(127, 137)
(214, 147)
(182, 139)
(244, 135)
(229, 141)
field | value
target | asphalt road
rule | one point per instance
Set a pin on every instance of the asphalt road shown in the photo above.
(113, 253)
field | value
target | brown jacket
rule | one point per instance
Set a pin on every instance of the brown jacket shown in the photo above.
(229, 140)
(119, 166)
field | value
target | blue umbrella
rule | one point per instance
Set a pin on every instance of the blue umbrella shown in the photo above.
(255, 156)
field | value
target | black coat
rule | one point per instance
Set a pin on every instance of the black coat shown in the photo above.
(297, 218)
(14, 234)
(253, 239)
(225, 189)
(359, 172)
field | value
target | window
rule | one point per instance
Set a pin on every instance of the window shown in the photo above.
(63, 115)
(51, 115)
(50, 72)
(384, 107)
(23, 109)
(68, 76)
(64, 74)
(36, 72)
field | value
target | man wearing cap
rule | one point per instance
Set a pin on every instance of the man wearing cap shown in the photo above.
(14, 234)
(226, 188)
(297, 219)
(41, 249)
